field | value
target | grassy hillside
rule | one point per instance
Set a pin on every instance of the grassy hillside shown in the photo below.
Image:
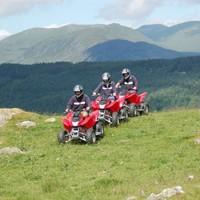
(145, 155)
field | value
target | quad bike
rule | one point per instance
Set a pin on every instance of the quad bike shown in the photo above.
(81, 126)
(111, 110)
(136, 103)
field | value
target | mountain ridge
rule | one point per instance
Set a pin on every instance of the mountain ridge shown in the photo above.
(71, 42)
(181, 37)
(61, 44)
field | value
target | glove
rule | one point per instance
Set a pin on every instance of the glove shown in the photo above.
(84, 113)
(117, 85)
(94, 94)
(135, 88)
(66, 110)
(87, 109)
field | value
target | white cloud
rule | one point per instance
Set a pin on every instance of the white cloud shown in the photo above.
(12, 7)
(136, 9)
(190, 1)
(56, 25)
(4, 34)
(126, 9)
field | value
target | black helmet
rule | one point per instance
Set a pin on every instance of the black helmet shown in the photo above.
(126, 73)
(78, 90)
(106, 77)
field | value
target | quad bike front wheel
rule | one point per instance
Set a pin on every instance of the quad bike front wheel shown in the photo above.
(62, 137)
(115, 119)
(99, 129)
(132, 110)
(126, 115)
(91, 136)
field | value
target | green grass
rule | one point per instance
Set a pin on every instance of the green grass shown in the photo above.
(145, 155)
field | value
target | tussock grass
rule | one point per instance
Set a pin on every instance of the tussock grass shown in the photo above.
(145, 155)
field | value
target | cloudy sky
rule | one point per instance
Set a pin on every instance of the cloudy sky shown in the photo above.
(18, 15)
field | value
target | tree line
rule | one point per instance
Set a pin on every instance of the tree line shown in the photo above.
(46, 87)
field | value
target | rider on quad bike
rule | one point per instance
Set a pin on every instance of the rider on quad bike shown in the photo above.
(111, 109)
(106, 87)
(135, 102)
(80, 123)
(128, 81)
(79, 101)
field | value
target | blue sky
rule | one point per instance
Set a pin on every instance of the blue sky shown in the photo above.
(18, 15)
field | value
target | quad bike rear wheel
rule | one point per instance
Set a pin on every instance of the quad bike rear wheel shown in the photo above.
(91, 136)
(146, 109)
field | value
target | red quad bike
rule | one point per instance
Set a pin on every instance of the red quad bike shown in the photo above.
(110, 110)
(80, 127)
(136, 103)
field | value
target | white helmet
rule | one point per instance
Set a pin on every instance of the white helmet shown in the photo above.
(126, 73)
(106, 77)
(78, 90)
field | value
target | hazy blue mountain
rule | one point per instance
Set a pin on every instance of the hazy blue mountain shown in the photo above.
(153, 31)
(116, 50)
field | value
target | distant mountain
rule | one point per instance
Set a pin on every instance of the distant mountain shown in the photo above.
(116, 50)
(181, 37)
(153, 31)
(67, 43)
(76, 43)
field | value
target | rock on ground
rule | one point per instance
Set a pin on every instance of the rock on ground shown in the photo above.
(197, 141)
(10, 150)
(190, 178)
(166, 193)
(26, 124)
(7, 114)
(132, 198)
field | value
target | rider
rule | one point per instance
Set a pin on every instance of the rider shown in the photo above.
(106, 87)
(79, 101)
(128, 80)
